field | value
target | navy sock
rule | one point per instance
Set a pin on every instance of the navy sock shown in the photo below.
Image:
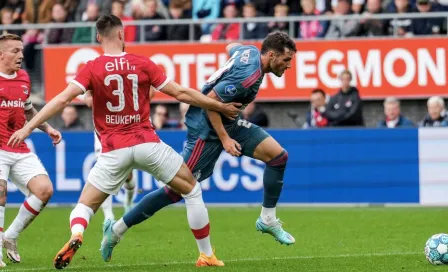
(149, 205)
(273, 179)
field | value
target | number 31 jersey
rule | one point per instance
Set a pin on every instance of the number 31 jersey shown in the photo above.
(120, 87)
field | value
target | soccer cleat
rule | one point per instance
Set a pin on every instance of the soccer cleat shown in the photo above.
(110, 240)
(2, 264)
(65, 255)
(11, 249)
(204, 260)
(275, 230)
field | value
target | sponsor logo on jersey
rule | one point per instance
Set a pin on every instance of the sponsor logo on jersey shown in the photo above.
(230, 90)
(12, 104)
(245, 56)
(197, 175)
(25, 89)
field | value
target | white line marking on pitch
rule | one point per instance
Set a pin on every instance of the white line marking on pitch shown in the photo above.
(229, 261)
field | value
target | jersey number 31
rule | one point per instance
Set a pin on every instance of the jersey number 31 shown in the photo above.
(120, 91)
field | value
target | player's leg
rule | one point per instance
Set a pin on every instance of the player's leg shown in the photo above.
(258, 144)
(107, 209)
(200, 157)
(129, 187)
(30, 176)
(105, 178)
(167, 167)
(4, 173)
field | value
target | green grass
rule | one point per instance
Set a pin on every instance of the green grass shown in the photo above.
(327, 239)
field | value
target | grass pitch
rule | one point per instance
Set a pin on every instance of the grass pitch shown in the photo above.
(327, 239)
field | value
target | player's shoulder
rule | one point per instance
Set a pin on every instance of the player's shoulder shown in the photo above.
(23, 75)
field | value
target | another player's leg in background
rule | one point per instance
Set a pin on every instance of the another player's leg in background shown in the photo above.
(108, 209)
(275, 157)
(129, 187)
(41, 190)
(3, 192)
(89, 202)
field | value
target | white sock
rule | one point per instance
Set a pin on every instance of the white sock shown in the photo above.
(2, 223)
(107, 209)
(120, 228)
(129, 186)
(80, 217)
(268, 215)
(27, 212)
(197, 215)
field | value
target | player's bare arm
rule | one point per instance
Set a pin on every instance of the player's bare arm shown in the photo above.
(196, 98)
(230, 145)
(51, 109)
(45, 127)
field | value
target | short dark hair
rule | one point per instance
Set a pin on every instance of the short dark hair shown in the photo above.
(106, 23)
(278, 41)
(319, 91)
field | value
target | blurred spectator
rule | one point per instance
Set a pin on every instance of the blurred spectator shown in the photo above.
(373, 27)
(86, 34)
(314, 117)
(357, 6)
(228, 32)
(152, 32)
(71, 120)
(161, 118)
(59, 35)
(311, 29)
(138, 8)
(183, 108)
(393, 115)
(180, 32)
(253, 31)
(206, 9)
(38, 11)
(280, 11)
(105, 7)
(7, 19)
(237, 3)
(429, 26)
(129, 31)
(17, 7)
(403, 26)
(265, 6)
(345, 107)
(343, 28)
(255, 115)
(70, 6)
(436, 116)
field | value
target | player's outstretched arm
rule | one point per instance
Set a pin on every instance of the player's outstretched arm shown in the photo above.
(230, 145)
(195, 98)
(53, 107)
(45, 127)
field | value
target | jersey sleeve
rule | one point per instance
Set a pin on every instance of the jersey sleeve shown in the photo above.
(83, 79)
(236, 83)
(234, 49)
(157, 76)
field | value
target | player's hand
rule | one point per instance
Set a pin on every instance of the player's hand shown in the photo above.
(55, 135)
(231, 110)
(232, 147)
(18, 137)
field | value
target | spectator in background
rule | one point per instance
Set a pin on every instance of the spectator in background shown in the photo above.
(343, 28)
(253, 31)
(17, 7)
(228, 32)
(152, 32)
(280, 11)
(345, 107)
(7, 19)
(403, 26)
(129, 31)
(180, 32)
(86, 34)
(59, 35)
(70, 6)
(161, 118)
(429, 26)
(393, 115)
(436, 116)
(373, 27)
(255, 115)
(38, 11)
(311, 29)
(105, 7)
(137, 8)
(206, 9)
(265, 6)
(314, 117)
(71, 120)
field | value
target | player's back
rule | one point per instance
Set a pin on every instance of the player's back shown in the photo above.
(120, 91)
(237, 81)
(14, 100)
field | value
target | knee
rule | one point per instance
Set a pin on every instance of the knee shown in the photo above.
(3, 192)
(280, 160)
(44, 192)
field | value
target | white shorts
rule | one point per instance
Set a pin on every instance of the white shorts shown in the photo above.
(20, 168)
(112, 168)
(97, 145)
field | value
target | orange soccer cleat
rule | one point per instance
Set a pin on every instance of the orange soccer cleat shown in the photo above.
(65, 255)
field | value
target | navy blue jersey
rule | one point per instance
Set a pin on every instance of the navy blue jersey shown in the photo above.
(237, 81)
